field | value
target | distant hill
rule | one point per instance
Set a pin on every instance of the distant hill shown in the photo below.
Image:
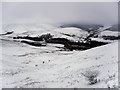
(113, 28)
(89, 27)
(86, 27)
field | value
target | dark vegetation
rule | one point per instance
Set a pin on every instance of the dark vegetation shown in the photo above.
(7, 33)
(111, 37)
(68, 44)
(39, 38)
(91, 76)
(75, 45)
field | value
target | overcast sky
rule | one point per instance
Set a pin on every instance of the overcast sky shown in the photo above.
(57, 13)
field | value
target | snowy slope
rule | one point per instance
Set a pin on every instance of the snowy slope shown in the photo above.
(70, 33)
(49, 67)
(27, 29)
(109, 33)
(23, 66)
(104, 31)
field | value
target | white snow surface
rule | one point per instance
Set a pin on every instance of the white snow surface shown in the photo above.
(22, 64)
(109, 33)
(37, 30)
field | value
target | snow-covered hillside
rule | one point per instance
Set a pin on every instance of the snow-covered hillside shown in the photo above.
(109, 33)
(48, 67)
(23, 66)
(71, 33)
(106, 31)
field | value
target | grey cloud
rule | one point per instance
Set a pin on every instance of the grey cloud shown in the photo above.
(66, 12)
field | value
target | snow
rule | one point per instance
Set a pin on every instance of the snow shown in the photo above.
(22, 64)
(109, 33)
(37, 30)
(102, 40)
(27, 29)
(72, 31)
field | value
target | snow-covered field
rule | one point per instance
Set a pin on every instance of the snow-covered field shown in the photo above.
(47, 67)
